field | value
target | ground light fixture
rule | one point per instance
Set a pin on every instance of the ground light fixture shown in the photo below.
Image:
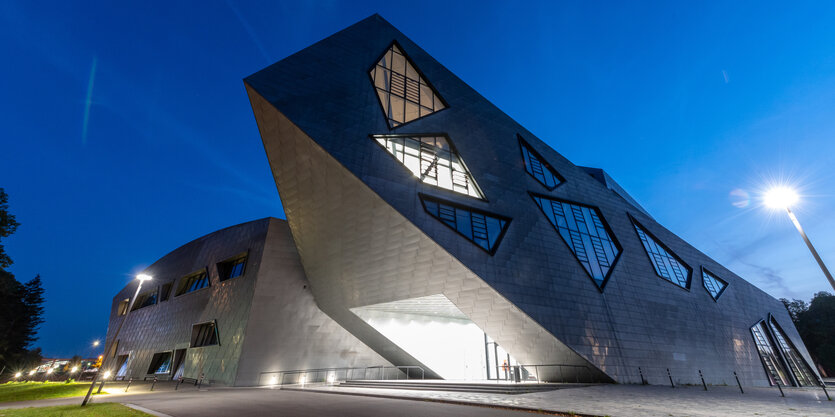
(141, 278)
(783, 197)
(17, 375)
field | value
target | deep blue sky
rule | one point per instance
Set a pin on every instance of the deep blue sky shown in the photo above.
(126, 130)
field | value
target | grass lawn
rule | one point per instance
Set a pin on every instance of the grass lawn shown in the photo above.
(26, 391)
(91, 410)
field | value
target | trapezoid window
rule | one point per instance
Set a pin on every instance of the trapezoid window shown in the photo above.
(160, 363)
(433, 160)
(204, 334)
(404, 93)
(582, 229)
(145, 299)
(193, 282)
(232, 267)
(771, 361)
(123, 307)
(713, 284)
(537, 167)
(666, 264)
(484, 229)
(165, 292)
(802, 374)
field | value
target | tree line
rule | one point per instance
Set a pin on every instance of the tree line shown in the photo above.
(21, 306)
(815, 322)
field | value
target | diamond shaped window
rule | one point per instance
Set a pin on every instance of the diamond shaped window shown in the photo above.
(433, 160)
(537, 167)
(484, 229)
(404, 93)
(582, 229)
(713, 284)
(666, 264)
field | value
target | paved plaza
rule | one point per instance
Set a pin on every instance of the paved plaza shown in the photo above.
(611, 400)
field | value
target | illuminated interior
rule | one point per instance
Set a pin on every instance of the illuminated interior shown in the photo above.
(439, 335)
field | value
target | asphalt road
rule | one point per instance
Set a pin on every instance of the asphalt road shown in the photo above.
(263, 402)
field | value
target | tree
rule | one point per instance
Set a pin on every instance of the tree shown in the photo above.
(8, 225)
(21, 304)
(795, 308)
(816, 326)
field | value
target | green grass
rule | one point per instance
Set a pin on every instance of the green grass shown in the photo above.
(27, 391)
(92, 410)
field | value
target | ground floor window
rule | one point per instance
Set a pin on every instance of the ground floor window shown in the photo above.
(160, 363)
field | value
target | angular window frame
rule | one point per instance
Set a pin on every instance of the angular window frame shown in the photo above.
(420, 74)
(492, 251)
(141, 300)
(122, 308)
(706, 271)
(165, 291)
(157, 360)
(453, 150)
(525, 146)
(601, 286)
(182, 287)
(226, 266)
(779, 337)
(638, 225)
(197, 341)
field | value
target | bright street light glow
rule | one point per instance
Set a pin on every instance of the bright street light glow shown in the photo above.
(17, 375)
(74, 369)
(143, 277)
(49, 371)
(780, 197)
(32, 372)
(106, 374)
(95, 343)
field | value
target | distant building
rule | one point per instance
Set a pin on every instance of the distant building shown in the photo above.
(425, 227)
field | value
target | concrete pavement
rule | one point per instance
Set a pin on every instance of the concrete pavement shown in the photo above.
(613, 400)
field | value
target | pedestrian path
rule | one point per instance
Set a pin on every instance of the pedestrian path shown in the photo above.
(632, 400)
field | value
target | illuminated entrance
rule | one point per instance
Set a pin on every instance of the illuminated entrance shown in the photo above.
(434, 331)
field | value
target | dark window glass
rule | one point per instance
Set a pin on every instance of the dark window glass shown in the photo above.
(713, 284)
(166, 291)
(160, 363)
(771, 361)
(801, 371)
(666, 264)
(231, 268)
(433, 160)
(145, 299)
(483, 229)
(193, 282)
(537, 167)
(204, 334)
(582, 229)
(404, 94)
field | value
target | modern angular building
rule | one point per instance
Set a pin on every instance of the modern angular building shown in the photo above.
(433, 230)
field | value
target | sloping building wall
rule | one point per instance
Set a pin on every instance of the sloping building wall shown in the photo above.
(364, 236)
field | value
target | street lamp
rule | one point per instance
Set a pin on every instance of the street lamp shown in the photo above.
(783, 197)
(141, 278)
(17, 375)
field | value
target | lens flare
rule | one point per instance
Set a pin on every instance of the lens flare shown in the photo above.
(739, 198)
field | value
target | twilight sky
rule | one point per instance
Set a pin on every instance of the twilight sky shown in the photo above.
(126, 130)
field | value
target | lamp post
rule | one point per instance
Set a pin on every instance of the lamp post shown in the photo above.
(783, 198)
(142, 278)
